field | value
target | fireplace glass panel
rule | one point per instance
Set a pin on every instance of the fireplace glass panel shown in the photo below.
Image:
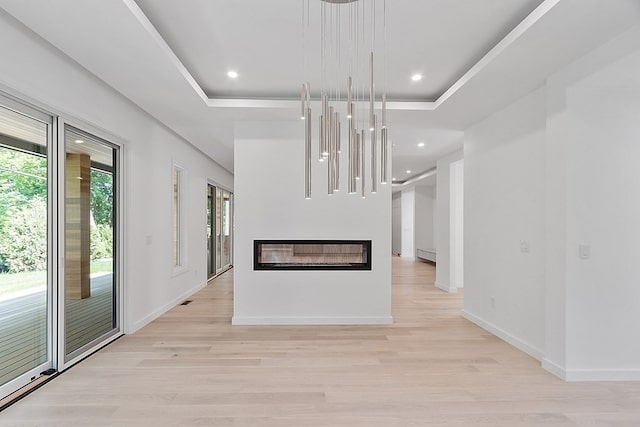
(312, 255)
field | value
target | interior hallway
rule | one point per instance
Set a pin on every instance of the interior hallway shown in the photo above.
(431, 367)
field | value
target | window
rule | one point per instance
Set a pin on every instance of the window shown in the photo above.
(178, 251)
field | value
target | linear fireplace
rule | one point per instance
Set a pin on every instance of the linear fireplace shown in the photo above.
(312, 254)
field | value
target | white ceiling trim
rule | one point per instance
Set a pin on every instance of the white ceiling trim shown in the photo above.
(416, 179)
(500, 47)
(155, 35)
(292, 104)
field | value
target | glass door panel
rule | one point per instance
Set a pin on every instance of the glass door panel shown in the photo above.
(226, 229)
(90, 292)
(218, 228)
(25, 290)
(211, 208)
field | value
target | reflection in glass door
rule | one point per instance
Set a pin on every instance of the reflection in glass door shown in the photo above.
(90, 291)
(25, 284)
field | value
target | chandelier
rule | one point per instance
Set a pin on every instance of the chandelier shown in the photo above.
(347, 95)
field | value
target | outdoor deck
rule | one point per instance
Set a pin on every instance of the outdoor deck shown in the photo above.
(23, 332)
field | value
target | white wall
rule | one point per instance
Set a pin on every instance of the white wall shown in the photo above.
(270, 204)
(456, 225)
(592, 121)
(603, 210)
(552, 172)
(442, 227)
(424, 216)
(396, 223)
(408, 223)
(34, 70)
(504, 214)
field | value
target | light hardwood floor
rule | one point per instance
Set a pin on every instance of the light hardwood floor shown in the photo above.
(430, 368)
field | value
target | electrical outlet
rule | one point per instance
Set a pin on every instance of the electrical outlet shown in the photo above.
(493, 302)
(524, 246)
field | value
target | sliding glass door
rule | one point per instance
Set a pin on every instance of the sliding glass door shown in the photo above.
(211, 230)
(26, 291)
(59, 245)
(226, 229)
(90, 270)
(219, 230)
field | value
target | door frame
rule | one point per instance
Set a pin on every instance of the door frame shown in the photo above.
(27, 109)
(119, 248)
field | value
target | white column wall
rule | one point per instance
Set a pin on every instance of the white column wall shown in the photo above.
(456, 224)
(504, 223)
(603, 211)
(270, 204)
(396, 223)
(424, 215)
(442, 234)
(33, 70)
(408, 223)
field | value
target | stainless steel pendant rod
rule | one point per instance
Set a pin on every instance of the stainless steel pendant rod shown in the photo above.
(374, 157)
(307, 154)
(371, 93)
(362, 163)
(336, 184)
(384, 172)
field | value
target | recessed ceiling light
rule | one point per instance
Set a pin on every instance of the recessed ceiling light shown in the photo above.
(420, 144)
(408, 171)
(416, 77)
(232, 74)
(78, 141)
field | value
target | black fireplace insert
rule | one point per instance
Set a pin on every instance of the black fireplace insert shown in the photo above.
(312, 254)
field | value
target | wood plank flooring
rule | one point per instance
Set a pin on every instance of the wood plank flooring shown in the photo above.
(23, 326)
(430, 368)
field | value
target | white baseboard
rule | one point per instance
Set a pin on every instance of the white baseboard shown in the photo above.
(603, 375)
(554, 368)
(577, 375)
(247, 320)
(159, 312)
(521, 345)
(446, 288)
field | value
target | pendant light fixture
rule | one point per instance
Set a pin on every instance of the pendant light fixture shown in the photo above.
(348, 43)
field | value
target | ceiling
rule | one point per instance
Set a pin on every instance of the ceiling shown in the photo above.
(171, 59)
(263, 41)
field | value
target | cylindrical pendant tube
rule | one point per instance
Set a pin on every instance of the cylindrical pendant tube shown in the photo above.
(384, 111)
(352, 174)
(327, 119)
(383, 156)
(320, 138)
(336, 184)
(338, 143)
(330, 138)
(362, 162)
(303, 101)
(349, 96)
(307, 154)
(371, 92)
(374, 157)
(358, 153)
